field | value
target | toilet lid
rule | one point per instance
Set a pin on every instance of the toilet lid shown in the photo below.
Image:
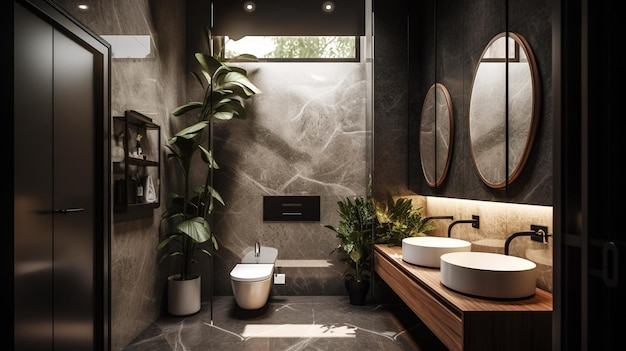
(251, 272)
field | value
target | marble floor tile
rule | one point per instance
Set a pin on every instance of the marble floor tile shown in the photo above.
(311, 323)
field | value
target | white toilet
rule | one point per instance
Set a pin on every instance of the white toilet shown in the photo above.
(251, 279)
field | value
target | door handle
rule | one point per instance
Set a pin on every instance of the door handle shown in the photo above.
(610, 266)
(69, 210)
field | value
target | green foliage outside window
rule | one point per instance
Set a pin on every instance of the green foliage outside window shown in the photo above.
(337, 48)
(314, 47)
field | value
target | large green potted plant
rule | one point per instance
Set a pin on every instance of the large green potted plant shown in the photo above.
(225, 87)
(355, 234)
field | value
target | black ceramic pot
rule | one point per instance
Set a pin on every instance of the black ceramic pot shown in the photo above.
(357, 291)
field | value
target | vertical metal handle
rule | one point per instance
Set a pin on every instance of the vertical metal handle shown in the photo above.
(610, 266)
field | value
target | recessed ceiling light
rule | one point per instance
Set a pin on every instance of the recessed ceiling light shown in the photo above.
(83, 7)
(328, 6)
(249, 6)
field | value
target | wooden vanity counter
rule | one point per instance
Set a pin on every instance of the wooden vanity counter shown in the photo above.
(463, 322)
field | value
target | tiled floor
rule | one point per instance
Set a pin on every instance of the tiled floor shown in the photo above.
(291, 323)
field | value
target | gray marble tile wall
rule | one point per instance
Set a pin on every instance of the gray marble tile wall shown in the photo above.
(306, 134)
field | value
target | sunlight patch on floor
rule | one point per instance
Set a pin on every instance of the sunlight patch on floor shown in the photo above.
(297, 331)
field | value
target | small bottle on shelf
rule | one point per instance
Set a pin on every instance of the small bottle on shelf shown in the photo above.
(140, 196)
(139, 148)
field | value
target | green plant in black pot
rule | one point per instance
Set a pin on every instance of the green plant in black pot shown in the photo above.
(225, 87)
(355, 234)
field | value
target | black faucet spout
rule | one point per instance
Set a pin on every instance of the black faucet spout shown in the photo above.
(438, 217)
(538, 235)
(513, 236)
(475, 223)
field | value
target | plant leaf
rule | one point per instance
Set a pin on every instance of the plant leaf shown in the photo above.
(190, 106)
(196, 228)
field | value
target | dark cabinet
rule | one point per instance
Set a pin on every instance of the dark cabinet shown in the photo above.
(446, 46)
(136, 156)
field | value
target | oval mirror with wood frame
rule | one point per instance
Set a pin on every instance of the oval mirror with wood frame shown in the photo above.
(504, 109)
(436, 134)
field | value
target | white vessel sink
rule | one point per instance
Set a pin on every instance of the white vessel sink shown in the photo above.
(489, 275)
(427, 250)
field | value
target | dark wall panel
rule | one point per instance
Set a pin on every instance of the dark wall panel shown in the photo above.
(460, 31)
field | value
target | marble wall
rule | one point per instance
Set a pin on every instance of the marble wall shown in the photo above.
(391, 151)
(306, 134)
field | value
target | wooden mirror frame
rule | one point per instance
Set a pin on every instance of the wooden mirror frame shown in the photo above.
(501, 134)
(436, 134)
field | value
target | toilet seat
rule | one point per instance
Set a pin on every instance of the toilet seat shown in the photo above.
(252, 272)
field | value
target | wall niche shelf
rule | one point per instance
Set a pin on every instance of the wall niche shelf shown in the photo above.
(136, 156)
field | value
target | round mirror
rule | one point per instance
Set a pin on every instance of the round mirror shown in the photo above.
(504, 109)
(436, 131)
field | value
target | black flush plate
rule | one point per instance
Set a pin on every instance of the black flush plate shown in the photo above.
(291, 208)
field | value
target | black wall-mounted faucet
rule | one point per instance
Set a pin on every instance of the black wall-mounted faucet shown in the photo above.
(475, 223)
(538, 235)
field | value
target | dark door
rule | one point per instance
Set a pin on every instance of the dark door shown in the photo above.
(58, 198)
(33, 202)
(589, 241)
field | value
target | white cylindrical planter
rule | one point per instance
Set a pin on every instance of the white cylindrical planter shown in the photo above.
(183, 296)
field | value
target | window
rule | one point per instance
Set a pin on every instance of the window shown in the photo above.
(285, 48)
